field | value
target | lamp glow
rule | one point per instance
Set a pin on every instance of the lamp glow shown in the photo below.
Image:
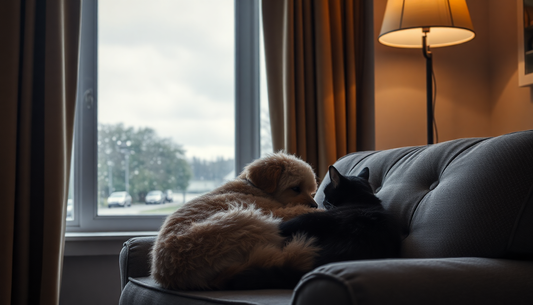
(448, 20)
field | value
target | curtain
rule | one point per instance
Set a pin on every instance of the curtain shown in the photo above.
(314, 58)
(38, 79)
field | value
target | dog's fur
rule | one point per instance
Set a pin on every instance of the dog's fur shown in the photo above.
(236, 227)
(354, 226)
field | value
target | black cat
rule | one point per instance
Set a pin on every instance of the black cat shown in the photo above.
(354, 226)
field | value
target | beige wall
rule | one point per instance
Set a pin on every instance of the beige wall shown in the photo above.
(512, 106)
(477, 85)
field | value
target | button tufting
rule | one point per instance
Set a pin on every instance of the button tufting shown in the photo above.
(433, 185)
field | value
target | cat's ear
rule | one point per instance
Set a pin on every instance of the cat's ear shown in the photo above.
(334, 176)
(365, 173)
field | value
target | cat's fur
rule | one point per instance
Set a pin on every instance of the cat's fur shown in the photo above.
(354, 226)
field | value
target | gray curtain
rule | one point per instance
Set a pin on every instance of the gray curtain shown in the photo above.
(314, 57)
(38, 78)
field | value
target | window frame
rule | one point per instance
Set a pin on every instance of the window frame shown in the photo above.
(247, 119)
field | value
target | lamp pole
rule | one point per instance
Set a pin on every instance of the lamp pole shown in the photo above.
(125, 149)
(429, 85)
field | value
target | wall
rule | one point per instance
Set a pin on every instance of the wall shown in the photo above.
(90, 280)
(477, 85)
(512, 106)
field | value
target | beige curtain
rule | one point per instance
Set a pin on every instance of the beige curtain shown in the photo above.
(38, 78)
(314, 55)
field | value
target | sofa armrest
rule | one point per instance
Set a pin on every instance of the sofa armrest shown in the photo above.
(419, 281)
(134, 259)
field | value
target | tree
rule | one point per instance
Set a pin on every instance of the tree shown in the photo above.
(212, 170)
(154, 163)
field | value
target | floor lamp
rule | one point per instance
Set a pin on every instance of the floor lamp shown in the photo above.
(424, 24)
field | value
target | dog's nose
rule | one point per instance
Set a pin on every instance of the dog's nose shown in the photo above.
(313, 204)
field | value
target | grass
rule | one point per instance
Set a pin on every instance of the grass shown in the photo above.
(162, 210)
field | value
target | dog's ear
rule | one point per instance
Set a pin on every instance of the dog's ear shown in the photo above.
(265, 176)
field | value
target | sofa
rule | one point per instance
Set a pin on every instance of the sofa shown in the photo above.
(466, 211)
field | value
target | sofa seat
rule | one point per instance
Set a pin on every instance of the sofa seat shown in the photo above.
(147, 291)
(465, 280)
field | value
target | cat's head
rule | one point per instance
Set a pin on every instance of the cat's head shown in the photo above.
(348, 190)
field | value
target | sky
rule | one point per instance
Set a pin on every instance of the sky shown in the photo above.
(169, 65)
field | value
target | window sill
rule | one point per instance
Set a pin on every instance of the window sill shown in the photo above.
(98, 243)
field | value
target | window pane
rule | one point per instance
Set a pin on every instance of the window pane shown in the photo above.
(70, 198)
(165, 103)
(266, 134)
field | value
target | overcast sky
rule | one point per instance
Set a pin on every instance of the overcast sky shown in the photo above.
(169, 65)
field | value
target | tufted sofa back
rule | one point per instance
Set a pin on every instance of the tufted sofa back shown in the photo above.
(465, 197)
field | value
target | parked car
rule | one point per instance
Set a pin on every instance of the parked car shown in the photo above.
(120, 199)
(169, 197)
(155, 197)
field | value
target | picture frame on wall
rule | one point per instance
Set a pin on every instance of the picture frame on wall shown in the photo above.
(525, 42)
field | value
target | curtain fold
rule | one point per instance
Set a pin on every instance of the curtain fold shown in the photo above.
(38, 79)
(314, 66)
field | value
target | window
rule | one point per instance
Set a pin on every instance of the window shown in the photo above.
(158, 121)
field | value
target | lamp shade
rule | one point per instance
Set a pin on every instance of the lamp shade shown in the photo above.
(448, 22)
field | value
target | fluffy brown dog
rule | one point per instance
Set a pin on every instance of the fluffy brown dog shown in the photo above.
(235, 227)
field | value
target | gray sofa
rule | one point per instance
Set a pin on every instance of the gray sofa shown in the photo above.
(466, 210)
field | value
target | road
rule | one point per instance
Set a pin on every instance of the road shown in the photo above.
(148, 209)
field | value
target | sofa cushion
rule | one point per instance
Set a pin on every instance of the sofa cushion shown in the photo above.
(146, 291)
(457, 280)
(466, 197)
